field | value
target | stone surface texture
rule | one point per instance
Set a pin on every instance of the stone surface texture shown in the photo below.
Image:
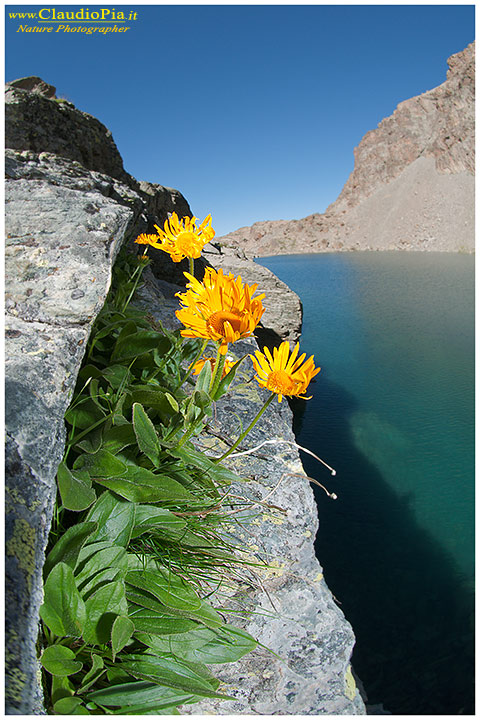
(289, 608)
(66, 219)
(69, 208)
(412, 187)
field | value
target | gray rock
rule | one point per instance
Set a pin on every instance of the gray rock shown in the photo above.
(61, 243)
(38, 123)
(290, 609)
(34, 84)
(284, 602)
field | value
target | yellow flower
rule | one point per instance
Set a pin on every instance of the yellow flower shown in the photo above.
(221, 308)
(282, 374)
(145, 239)
(182, 238)
(229, 363)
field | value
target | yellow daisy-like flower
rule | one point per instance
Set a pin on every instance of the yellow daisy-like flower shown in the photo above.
(282, 374)
(145, 239)
(221, 308)
(229, 363)
(182, 238)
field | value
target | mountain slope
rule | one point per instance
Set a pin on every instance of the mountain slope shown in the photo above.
(412, 186)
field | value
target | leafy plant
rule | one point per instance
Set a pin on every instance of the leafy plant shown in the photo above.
(135, 540)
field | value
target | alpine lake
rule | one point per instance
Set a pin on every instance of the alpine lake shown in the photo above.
(393, 412)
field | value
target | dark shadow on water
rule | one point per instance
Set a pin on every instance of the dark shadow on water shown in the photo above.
(411, 610)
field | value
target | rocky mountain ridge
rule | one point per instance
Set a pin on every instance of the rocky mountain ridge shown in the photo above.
(412, 187)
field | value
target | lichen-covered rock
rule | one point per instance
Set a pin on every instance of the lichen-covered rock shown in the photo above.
(65, 222)
(61, 242)
(289, 608)
(284, 601)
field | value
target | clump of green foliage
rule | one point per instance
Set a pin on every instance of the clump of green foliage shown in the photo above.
(135, 543)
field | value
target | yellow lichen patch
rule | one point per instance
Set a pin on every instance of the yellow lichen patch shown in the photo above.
(15, 686)
(275, 519)
(22, 546)
(307, 534)
(17, 498)
(273, 569)
(318, 577)
(351, 688)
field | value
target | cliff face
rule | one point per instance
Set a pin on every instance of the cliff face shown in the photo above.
(412, 186)
(66, 218)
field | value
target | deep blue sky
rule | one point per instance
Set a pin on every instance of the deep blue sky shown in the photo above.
(252, 112)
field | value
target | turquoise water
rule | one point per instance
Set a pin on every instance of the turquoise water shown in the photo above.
(393, 412)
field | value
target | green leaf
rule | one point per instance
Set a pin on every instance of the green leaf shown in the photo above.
(151, 397)
(67, 549)
(102, 464)
(134, 693)
(170, 589)
(60, 660)
(201, 399)
(93, 674)
(63, 610)
(61, 687)
(109, 557)
(75, 488)
(102, 608)
(122, 630)
(153, 708)
(204, 614)
(146, 435)
(229, 644)
(152, 518)
(172, 402)
(87, 551)
(92, 442)
(157, 623)
(138, 343)
(170, 671)
(70, 706)
(117, 375)
(190, 456)
(84, 414)
(118, 437)
(115, 518)
(103, 577)
(204, 378)
(141, 485)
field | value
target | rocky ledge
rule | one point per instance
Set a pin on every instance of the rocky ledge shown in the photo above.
(69, 209)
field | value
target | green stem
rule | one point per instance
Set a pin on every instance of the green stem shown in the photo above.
(92, 427)
(137, 272)
(190, 266)
(190, 432)
(217, 372)
(190, 367)
(244, 434)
